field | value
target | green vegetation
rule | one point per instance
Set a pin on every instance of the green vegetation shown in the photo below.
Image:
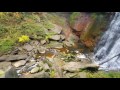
(15, 24)
(73, 17)
(69, 57)
(56, 19)
(52, 74)
(101, 74)
(6, 45)
(95, 29)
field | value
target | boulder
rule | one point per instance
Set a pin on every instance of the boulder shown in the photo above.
(13, 57)
(57, 29)
(41, 49)
(34, 70)
(43, 42)
(28, 47)
(77, 66)
(19, 63)
(67, 43)
(46, 67)
(5, 65)
(41, 74)
(54, 44)
(34, 43)
(11, 73)
(72, 67)
(62, 37)
(55, 37)
(31, 63)
(41, 64)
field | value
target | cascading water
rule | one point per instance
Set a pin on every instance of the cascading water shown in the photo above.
(107, 52)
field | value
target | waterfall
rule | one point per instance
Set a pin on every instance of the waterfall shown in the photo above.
(107, 52)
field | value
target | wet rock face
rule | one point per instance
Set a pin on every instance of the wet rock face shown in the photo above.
(81, 22)
(88, 27)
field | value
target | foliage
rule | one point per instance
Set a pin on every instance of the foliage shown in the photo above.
(94, 15)
(74, 16)
(52, 74)
(3, 29)
(16, 24)
(6, 45)
(24, 38)
(102, 74)
(69, 57)
(56, 19)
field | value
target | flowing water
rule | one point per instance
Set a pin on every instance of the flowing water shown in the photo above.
(107, 52)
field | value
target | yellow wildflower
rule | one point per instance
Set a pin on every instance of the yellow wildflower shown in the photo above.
(24, 38)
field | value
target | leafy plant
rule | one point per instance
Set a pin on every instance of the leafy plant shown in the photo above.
(52, 73)
(69, 57)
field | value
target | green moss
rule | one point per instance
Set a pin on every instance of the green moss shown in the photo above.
(54, 18)
(98, 24)
(102, 74)
(73, 17)
(6, 45)
(2, 29)
(47, 24)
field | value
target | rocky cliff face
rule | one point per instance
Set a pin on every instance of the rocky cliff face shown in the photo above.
(88, 27)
